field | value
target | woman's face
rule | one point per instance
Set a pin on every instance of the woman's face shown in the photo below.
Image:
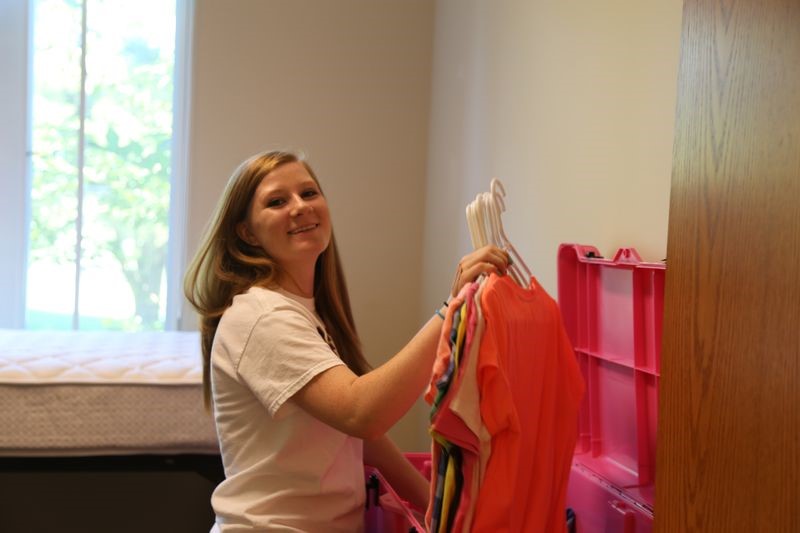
(288, 217)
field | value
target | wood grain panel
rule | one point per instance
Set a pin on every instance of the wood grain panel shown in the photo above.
(729, 436)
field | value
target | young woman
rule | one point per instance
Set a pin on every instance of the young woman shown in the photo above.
(297, 409)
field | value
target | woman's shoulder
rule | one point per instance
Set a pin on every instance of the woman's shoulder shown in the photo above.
(253, 303)
(258, 297)
(256, 310)
(257, 303)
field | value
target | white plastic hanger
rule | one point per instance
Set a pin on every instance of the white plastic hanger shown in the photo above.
(486, 227)
(498, 192)
(491, 212)
(475, 224)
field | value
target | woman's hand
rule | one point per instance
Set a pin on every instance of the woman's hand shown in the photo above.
(484, 260)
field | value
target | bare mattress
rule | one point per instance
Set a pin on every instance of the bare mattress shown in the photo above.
(102, 393)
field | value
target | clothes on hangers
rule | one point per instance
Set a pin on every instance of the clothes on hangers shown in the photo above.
(465, 406)
(444, 367)
(516, 365)
(449, 432)
(531, 388)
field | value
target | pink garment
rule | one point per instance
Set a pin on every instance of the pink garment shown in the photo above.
(444, 349)
(451, 427)
(443, 354)
(465, 403)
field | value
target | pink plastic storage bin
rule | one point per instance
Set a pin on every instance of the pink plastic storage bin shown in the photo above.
(603, 508)
(612, 311)
(385, 511)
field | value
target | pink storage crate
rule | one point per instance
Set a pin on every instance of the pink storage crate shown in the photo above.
(612, 311)
(385, 511)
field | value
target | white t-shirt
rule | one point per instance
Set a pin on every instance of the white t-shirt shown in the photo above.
(284, 469)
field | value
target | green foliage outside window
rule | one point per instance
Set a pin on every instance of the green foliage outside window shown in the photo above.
(127, 154)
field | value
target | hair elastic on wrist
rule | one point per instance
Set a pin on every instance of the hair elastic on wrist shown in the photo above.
(438, 312)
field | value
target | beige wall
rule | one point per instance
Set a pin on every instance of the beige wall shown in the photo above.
(407, 108)
(347, 82)
(571, 104)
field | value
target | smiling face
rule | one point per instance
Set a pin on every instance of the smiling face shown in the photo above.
(288, 217)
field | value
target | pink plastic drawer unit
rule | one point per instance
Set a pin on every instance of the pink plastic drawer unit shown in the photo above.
(612, 311)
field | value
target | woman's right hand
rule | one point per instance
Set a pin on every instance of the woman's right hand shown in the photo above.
(484, 260)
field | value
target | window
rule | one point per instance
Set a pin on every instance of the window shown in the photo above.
(101, 217)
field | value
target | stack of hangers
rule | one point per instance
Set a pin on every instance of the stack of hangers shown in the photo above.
(504, 396)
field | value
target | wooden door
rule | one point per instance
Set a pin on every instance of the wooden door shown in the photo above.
(729, 438)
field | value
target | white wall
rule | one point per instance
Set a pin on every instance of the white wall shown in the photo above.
(347, 82)
(571, 104)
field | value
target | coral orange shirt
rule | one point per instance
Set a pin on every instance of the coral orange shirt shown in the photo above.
(531, 388)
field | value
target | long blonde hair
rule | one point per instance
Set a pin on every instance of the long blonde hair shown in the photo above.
(225, 266)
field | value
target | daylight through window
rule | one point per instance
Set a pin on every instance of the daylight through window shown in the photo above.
(100, 164)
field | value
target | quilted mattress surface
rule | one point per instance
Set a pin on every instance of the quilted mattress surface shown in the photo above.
(98, 393)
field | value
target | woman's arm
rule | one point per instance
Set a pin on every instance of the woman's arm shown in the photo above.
(367, 406)
(406, 480)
